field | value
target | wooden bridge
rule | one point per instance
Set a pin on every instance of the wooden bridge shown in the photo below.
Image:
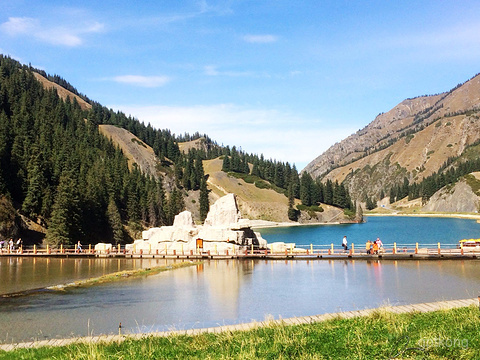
(302, 252)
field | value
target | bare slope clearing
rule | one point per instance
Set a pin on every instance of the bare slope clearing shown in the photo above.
(261, 204)
(133, 148)
(198, 144)
(254, 203)
(62, 92)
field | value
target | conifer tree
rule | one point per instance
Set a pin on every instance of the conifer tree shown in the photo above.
(204, 202)
(63, 227)
(115, 221)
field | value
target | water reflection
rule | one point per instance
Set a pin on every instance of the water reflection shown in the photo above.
(218, 292)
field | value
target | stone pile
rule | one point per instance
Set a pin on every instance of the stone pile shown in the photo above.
(223, 229)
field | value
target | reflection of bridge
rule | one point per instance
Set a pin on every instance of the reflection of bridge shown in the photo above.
(303, 252)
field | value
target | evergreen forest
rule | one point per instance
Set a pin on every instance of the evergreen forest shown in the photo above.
(58, 171)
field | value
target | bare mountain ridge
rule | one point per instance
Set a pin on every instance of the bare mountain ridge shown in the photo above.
(61, 91)
(410, 116)
(412, 140)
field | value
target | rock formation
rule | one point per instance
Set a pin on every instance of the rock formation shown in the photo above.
(223, 230)
(459, 198)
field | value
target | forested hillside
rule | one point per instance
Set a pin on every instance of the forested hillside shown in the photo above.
(59, 172)
(56, 168)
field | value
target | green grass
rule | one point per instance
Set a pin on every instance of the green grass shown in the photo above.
(446, 334)
(120, 275)
(311, 208)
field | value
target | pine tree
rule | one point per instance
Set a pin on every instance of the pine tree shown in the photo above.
(226, 166)
(204, 202)
(115, 222)
(7, 218)
(64, 226)
(328, 195)
(292, 212)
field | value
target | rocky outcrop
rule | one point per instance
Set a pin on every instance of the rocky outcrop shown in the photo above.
(224, 229)
(224, 212)
(458, 198)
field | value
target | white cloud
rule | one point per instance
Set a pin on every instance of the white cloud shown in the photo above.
(18, 26)
(275, 134)
(142, 81)
(260, 39)
(70, 35)
(211, 70)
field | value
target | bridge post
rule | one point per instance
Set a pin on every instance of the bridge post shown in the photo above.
(416, 248)
(311, 249)
(438, 244)
(331, 247)
(34, 248)
(394, 248)
(252, 247)
(352, 251)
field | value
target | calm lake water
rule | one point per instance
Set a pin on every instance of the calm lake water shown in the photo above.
(402, 230)
(218, 292)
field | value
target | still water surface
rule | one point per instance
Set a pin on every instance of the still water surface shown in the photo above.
(400, 229)
(228, 292)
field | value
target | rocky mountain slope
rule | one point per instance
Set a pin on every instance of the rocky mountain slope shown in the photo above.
(460, 197)
(410, 141)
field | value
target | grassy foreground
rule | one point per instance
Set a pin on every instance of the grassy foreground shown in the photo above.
(446, 334)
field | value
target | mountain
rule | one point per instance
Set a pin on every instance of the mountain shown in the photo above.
(72, 170)
(406, 145)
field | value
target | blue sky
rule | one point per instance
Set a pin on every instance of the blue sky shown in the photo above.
(284, 78)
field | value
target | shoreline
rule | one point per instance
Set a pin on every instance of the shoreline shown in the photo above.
(243, 327)
(439, 215)
(260, 224)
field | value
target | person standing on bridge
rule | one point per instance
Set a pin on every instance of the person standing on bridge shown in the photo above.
(79, 247)
(368, 246)
(345, 243)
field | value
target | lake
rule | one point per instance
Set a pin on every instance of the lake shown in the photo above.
(222, 291)
(403, 230)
